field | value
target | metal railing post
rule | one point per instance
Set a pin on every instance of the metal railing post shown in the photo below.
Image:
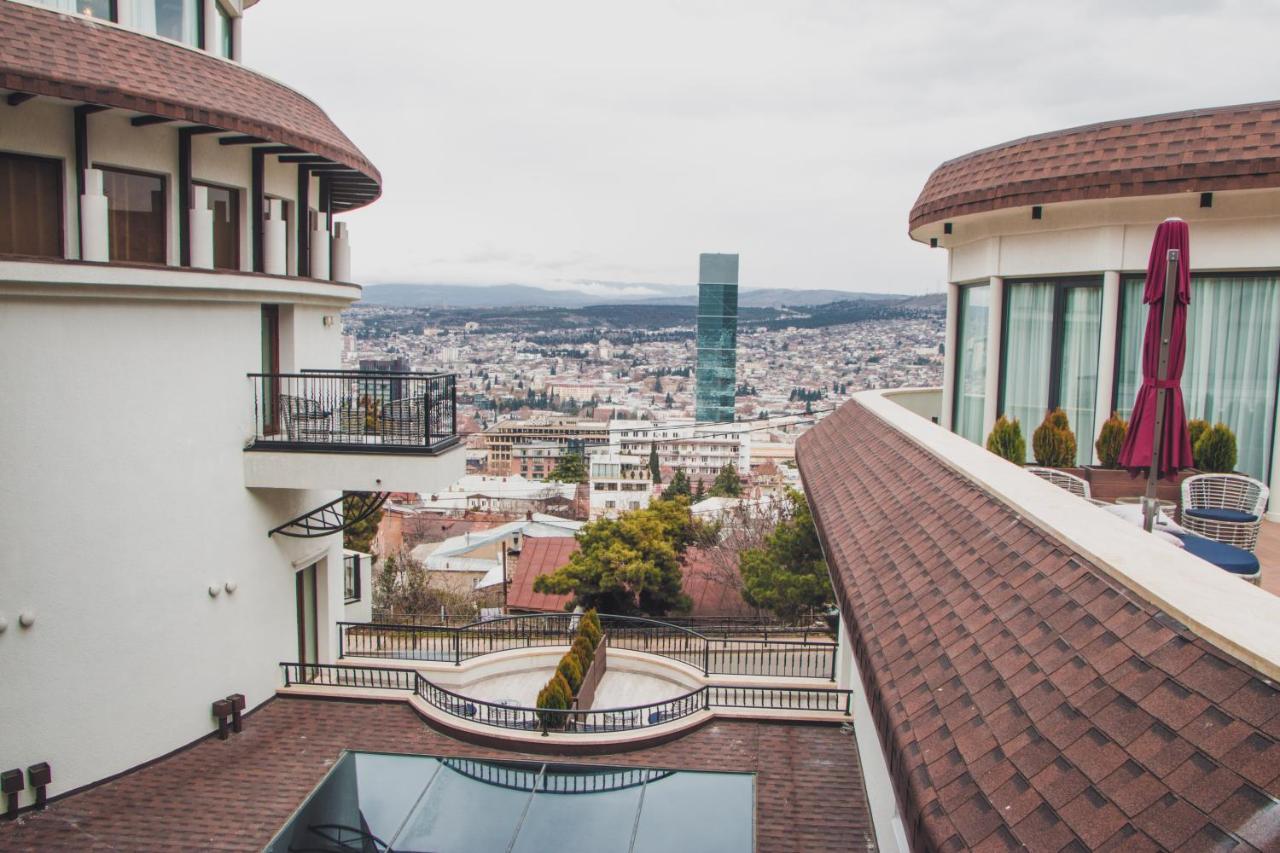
(341, 631)
(706, 657)
(457, 648)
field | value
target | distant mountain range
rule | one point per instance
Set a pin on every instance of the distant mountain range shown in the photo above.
(523, 295)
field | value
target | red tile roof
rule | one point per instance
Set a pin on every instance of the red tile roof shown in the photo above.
(64, 56)
(1024, 698)
(1222, 148)
(543, 555)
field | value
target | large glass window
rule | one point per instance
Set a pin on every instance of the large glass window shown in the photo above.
(180, 20)
(1051, 331)
(223, 37)
(104, 9)
(136, 215)
(971, 361)
(225, 204)
(1233, 342)
(30, 206)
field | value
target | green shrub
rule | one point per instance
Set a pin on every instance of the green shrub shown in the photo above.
(1216, 450)
(594, 618)
(1006, 440)
(571, 670)
(1195, 431)
(1110, 440)
(590, 631)
(581, 648)
(1053, 443)
(553, 699)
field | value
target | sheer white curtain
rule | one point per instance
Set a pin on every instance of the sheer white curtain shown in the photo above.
(142, 15)
(175, 19)
(1133, 325)
(971, 361)
(1078, 375)
(1028, 338)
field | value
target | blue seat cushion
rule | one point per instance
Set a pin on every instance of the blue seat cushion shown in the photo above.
(1229, 558)
(1211, 513)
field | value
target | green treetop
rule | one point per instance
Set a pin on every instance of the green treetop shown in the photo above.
(788, 575)
(727, 484)
(570, 468)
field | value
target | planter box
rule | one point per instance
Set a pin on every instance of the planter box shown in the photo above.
(1107, 484)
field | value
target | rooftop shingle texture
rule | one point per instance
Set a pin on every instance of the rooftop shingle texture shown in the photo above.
(1023, 698)
(64, 56)
(1223, 148)
(235, 794)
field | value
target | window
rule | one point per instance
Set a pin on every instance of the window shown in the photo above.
(1230, 373)
(351, 577)
(30, 206)
(104, 9)
(223, 37)
(225, 204)
(971, 361)
(180, 20)
(1050, 341)
(135, 215)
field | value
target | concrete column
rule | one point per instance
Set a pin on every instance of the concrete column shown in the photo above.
(1106, 357)
(995, 328)
(320, 247)
(341, 252)
(211, 43)
(949, 356)
(237, 38)
(95, 233)
(275, 237)
(201, 228)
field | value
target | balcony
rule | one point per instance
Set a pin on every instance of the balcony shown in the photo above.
(353, 430)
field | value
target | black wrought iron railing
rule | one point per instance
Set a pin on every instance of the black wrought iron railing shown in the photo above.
(506, 715)
(366, 410)
(712, 655)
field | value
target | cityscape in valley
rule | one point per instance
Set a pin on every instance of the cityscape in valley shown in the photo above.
(638, 427)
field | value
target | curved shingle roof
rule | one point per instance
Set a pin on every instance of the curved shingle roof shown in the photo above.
(66, 56)
(1220, 148)
(1025, 699)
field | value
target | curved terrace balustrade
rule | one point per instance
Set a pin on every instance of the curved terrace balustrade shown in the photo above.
(598, 720)
(711, 655)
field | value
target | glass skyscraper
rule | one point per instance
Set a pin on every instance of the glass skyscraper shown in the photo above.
(717, 336)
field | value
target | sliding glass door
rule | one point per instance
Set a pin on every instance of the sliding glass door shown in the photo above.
(971, 361)
(1050, 355)
(1233, 343)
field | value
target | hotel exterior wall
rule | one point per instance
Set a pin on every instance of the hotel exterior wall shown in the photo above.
(125, 502)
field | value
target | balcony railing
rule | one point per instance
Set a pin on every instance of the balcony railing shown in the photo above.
(354, 410)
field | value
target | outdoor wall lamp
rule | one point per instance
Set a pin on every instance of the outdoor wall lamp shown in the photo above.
(946, 228)
(237, 709)
(1037, 212)
(933, 242)
(215, 590)
(1206, 199)
(231, 586)
(328, 320)
(39, 776)
(4, 624)
(10, 785)
(222, 710)
(27, 618)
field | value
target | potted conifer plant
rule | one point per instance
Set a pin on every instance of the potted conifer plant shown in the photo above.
(1053, 444)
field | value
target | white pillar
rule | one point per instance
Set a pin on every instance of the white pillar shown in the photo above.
(275, 238)
(211, 43)
(95, 232)
(1106, 358)
(320, 248)
(341, 252)
(200, 226)
(949, 357)
(237, 38)
(995, 329)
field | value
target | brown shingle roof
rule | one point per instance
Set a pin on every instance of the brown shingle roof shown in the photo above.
(1222, 148)
(1023, 698)
(64, 56)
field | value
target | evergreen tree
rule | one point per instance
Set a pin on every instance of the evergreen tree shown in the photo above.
(701, 491)
(359, 537)
(727, 484)
(678, 487)
(655, 469)
(570, 468)
(788, 575)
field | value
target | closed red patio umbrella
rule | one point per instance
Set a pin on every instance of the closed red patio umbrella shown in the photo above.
(1158, 439)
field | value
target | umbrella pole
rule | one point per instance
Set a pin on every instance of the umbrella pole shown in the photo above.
(1149, 504)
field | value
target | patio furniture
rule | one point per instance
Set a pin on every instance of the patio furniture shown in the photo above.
(403, 421)
(1063, 480)
(304, 419)
(1237, 561)
(1224, 507)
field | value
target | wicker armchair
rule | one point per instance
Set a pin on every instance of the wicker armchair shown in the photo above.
(304, 419)
(403, 421)
(1224, 507)
(1063, 480)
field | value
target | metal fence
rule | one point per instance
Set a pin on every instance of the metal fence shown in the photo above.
(712, 655)
(354, 409)
(506, 715)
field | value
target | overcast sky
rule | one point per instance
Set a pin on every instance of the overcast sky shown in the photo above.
(562, 143)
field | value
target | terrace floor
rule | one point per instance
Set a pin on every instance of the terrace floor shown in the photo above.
(1269, 556)
(236, 794)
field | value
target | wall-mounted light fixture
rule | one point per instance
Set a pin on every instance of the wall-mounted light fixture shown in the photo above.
(328, 320)
(10, 786)
(39, 776)
(231, 586)
(946, 228)
(215, 590)
(1206, 199)
(1037, 212)
(27, 618)
(4, 624)
(933, 242)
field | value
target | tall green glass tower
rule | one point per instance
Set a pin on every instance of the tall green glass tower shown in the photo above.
(717, 337)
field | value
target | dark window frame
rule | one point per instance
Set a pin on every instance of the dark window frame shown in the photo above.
(61, 164)
(221, 11)
(240, 194)
(1061, 285)
(164, 178)
(351, 592)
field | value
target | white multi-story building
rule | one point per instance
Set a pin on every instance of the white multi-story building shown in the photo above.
(700, 450)
(170, 283)
(618, 484)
